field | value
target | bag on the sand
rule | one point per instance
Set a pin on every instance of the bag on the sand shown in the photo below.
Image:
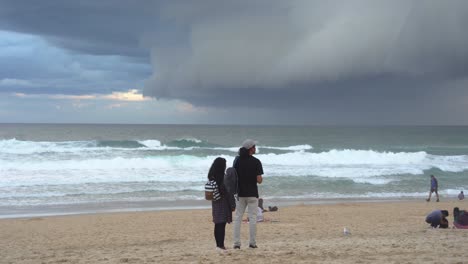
(211, 191)
(272, 208)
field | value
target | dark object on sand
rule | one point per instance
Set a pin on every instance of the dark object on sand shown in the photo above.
(272, 208)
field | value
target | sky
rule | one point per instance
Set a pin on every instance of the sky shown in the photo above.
(295, 62)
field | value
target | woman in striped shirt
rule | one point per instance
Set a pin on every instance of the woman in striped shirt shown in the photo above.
(223, 206)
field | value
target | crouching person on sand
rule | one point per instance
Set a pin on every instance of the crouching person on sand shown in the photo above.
(438, 219)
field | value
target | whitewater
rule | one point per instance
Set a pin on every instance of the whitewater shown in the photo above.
(50, 166)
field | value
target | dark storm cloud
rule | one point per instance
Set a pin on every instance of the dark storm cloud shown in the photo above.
(373, 60)
(94, 27)
(30, 65)
(311, 46)
(360, 58)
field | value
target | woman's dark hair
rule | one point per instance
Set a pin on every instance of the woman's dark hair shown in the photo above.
(445, 212)
(216, 173)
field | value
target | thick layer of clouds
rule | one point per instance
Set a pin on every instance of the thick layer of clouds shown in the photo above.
(314, 51)
(384, 61)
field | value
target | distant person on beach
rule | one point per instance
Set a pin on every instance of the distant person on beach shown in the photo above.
(249, 171)
(270, 208)
(438, 219)
(223, 206)
(260, 204)
(260, 211)
(461, 196)
(434, 187)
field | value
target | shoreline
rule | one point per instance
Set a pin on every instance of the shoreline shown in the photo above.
(20, 212)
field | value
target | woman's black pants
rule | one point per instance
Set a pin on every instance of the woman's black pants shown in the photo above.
(219, 233)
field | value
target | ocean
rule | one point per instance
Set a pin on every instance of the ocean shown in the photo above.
(50, 169)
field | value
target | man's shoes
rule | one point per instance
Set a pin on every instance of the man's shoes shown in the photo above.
(437, 200)
(252, 246)
(427, 200)
(236, 247)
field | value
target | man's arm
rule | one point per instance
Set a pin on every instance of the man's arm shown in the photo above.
(259, 172)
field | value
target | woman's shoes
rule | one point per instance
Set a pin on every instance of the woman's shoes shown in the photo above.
(222, 250)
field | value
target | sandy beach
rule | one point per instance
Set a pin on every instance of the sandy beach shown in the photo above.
(381, 232)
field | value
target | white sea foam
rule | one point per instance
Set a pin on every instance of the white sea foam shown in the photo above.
(290, 148)
(260, 148)
(344, 157)
(190, 139)
(364, 162)
(455, 192)
(13, 146)
(151, 143)
(358, 165)
(128, 165)
(160, 169)
(41, 172)
(232, 149)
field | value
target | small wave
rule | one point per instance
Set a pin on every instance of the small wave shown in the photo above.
(260, 148)
(14, 146)
(151, 143)
(190, 143)
(344, 157)
(119, 144)
(290, 148)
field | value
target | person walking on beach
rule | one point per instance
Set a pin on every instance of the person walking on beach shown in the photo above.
(223, 203)
(249, 170)
(434, 187)
(461, 196)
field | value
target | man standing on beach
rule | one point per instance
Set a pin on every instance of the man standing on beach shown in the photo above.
(249, 170)
(434, 187)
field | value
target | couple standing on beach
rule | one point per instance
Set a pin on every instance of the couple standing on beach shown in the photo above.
(249, 173)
